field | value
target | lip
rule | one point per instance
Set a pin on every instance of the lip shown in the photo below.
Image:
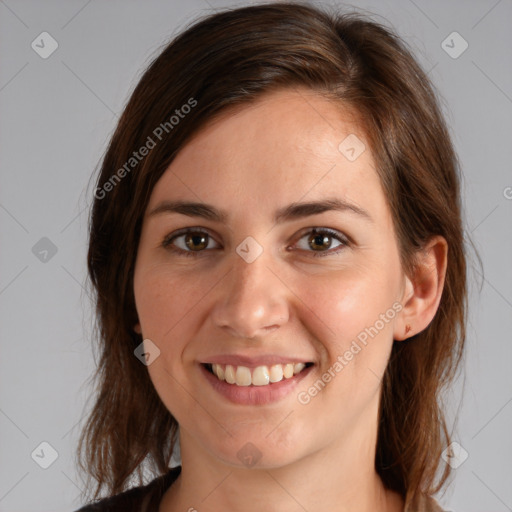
(255, 395)
(253, 362)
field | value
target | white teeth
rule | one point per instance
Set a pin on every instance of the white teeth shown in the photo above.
(243, 376)
(219, 372)
(298, 367)
(288, 370)
(276, 373)
(229, 374)
(260, 376)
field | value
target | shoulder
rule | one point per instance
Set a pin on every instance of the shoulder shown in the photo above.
(137, 499)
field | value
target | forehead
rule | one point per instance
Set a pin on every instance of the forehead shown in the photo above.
(284, 146)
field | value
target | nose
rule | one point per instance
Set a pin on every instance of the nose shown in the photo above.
(251, 299)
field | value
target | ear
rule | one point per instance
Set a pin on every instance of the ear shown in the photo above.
(137, 328)
(423, 290)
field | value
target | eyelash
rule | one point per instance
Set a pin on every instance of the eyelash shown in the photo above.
(343, 239)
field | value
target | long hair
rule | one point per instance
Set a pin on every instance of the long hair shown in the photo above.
(225, 61)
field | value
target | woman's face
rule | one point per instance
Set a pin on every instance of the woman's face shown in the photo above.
(253, 289)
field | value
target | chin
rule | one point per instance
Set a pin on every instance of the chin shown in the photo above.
(258, 452)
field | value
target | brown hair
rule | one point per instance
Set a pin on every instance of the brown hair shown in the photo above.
(230, 59)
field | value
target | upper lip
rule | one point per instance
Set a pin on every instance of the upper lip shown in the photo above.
(253, 361)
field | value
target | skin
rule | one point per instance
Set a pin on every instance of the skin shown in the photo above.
(319, 456)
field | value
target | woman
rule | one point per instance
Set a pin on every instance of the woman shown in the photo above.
(277, 252)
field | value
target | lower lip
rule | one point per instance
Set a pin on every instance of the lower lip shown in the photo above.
(255, 395)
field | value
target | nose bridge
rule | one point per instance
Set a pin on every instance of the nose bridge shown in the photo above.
(252, 299)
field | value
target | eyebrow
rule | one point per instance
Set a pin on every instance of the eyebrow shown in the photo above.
(291, 212)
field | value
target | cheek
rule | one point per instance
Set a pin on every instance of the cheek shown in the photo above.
(354, 304)
(167, 317)
(164, 298)
(163, 314)
(344, 313)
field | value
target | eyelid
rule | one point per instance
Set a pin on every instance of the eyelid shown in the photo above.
(344, 240)
(168, 239)
(335, 233)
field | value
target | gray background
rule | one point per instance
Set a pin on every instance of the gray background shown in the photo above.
(56, 117)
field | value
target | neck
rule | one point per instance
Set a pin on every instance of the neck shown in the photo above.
(339, 477)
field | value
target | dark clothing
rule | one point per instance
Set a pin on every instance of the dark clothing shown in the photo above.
(145, 498)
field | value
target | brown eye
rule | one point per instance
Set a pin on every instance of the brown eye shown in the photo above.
(197, 241)
(319, 242)
(189, 242)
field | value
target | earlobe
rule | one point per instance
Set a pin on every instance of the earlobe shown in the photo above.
(403, 323)
(423, 290)
(137, 328)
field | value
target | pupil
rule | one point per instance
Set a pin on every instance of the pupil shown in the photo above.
(193, 241)
(320, 241)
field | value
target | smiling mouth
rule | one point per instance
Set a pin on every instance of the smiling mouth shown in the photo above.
(259, 376)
